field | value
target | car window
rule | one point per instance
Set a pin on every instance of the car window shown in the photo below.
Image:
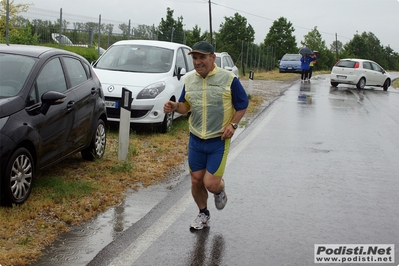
(377, 67)
(180, 61)
(291, 57)
(76, 72)
(189, 60)
(226, 62)
(14, 72)
(51, 78)
(346, 63)
(230, 60)
(137, 58)
(367, 65)
(218, 61)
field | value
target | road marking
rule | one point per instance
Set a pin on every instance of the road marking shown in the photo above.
(144, 241)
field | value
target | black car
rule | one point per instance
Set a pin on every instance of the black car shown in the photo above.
(51, 106)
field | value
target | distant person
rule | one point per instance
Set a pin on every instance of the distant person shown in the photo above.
(311, 65)
(305, 66)
(217, 102)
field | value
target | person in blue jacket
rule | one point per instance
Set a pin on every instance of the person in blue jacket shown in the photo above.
(305, 65)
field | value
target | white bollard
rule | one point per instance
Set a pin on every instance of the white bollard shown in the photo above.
(124, 124)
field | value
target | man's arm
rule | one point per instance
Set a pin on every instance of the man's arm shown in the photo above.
(179, 107)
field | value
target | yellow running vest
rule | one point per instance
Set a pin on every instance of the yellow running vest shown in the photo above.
(210, 102)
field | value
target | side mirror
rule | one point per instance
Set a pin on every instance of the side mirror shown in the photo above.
(228, 68)
(181, 72)
(51, 98)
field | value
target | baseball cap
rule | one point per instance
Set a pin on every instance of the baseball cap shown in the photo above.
(202, 48)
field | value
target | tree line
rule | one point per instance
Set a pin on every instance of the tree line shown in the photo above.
(235, 36)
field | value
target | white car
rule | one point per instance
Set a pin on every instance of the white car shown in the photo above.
(223, 60)
(152, 70)
(359, 72)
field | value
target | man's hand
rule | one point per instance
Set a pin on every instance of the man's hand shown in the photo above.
(170, 107)
(228, 132)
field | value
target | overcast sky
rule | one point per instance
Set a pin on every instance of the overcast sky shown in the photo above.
(342, 17)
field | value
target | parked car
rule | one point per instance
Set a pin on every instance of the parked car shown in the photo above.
(359, 72)
(224, 60)
(290, 63)
(152, 70)
(51, 106)
(59, 38)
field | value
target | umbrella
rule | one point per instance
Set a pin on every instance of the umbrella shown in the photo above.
(305, 50)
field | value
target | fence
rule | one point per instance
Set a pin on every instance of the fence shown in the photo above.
(82, 30)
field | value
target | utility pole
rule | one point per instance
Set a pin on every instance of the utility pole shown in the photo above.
(210, 21)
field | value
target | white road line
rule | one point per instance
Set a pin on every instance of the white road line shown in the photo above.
(143, 242)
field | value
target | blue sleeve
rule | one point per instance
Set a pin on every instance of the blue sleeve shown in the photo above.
(182, 98)
(239, 95)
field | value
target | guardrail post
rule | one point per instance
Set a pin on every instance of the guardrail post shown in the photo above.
(124, 124)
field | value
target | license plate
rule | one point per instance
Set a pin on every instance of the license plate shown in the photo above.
(341, 77)
(111, 104)
(289, 67)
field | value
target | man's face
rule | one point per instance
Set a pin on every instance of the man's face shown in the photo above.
(203, 63)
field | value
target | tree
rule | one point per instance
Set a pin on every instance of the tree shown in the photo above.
(195, 35)
(170, 29)
(233, 32)
(14, 10)
(314, 41)
(281, 37)
(143, 32)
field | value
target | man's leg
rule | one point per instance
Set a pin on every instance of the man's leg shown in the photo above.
(198, 188)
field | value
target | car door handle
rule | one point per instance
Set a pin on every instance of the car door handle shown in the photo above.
(70, 105)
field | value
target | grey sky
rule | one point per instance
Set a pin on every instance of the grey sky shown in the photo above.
(344, 17)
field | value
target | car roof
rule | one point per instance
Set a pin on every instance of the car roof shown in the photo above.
(33, 50)
(170, 45)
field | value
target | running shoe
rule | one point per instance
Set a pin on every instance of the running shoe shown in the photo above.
(200, 222)
(220, 200)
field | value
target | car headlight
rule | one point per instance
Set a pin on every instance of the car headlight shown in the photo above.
(151, 91)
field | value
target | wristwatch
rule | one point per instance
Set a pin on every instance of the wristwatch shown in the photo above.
(235, 125)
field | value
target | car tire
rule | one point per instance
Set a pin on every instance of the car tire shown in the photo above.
(386, 85)
(361, 84)
(166, 125)
(334, 84)
(18, 178)
(97, 144)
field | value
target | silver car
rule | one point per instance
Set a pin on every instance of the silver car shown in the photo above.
(224, 60)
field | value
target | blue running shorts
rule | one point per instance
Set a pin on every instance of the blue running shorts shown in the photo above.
(209, 154)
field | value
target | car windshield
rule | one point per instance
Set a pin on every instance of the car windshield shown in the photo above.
(14, 71)
(346, 63)
(136, 58)
(291, 57)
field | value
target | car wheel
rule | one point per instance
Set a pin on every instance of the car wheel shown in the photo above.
(166, 125)
(386, 85)
(360, 85)
(97, 145)
(334, 84)
(18, 178)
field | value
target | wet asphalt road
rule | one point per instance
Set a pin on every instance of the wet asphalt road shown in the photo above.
(319, 166)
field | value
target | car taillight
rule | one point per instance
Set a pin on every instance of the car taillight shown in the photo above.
(356, 65)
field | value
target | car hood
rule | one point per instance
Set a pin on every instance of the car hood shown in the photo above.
(130, 80)
(10, 105)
